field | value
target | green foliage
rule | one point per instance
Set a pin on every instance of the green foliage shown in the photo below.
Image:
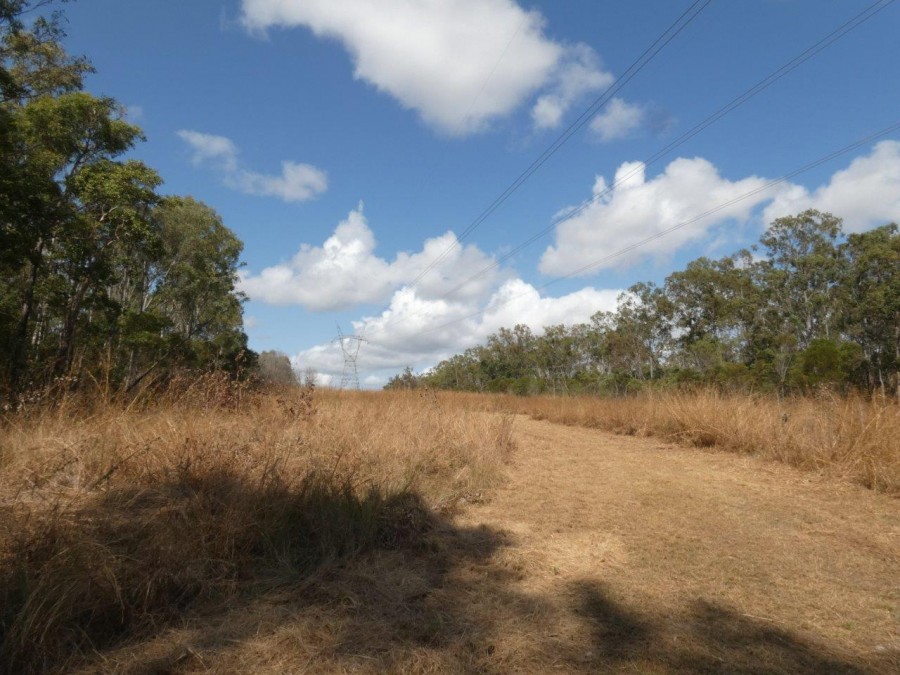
(826, 363)
(870, 293)
(97, 271)
(815, 310)
(197, 269)
(32, 60)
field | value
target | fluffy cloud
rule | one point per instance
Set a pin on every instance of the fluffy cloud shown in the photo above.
(459, 63)
(420, 332)
(619, 119)
(519, 302)
(297, 182)
(345, 271)
(581, 73)
(423, 323)
(637, 208)
(865, 194)
(420, 328)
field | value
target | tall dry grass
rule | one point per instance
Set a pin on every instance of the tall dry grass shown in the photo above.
(853, 437)
(116, 519)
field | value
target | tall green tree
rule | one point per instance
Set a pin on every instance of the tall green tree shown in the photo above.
(95, 266)
(802, 270)
(870, 302)
(197, 271)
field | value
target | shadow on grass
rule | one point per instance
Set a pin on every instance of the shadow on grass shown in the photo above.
(209, 572)
(703, 638)
(125, 564)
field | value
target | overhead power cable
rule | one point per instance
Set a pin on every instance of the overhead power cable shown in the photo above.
(686, 18)
(760, 86)
(811, 51)
(731, 202)
(475, 99)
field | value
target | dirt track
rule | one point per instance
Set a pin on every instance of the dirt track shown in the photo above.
(646, 557)
(601, 553)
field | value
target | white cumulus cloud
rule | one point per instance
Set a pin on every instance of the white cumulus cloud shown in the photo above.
(619, 119)
(579, 74)
(519, 302)
(638, 208)
(210, 148)
(296, 183)
(458, 63)
(345, 271)
(419, 332)
(865, 194)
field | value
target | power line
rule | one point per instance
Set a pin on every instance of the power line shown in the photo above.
(838, 33)
(760, 86)
(502, 56)
(627, 249)
(686, 18)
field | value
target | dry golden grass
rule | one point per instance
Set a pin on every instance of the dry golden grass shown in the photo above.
(852, 437)
(218, 529)
(596, 553)
(115, 521)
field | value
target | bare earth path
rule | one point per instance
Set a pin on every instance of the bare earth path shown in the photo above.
(600, 553)
(648, 557)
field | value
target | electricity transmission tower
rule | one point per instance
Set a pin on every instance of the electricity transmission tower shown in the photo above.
(350, 345)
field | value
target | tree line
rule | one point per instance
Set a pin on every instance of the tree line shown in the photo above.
(807, 307)
(100, 274)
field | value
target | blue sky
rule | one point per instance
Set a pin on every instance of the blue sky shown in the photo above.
(348, 142)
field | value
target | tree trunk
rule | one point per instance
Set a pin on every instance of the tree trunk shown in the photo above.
(63, 359)
(17, 363)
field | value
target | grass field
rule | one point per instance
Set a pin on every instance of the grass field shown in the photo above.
(226, 530)
(113, 521)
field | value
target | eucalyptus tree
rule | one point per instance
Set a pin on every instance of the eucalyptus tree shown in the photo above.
(870, 302)
(801, 271)
(808, 308)
(95, 266)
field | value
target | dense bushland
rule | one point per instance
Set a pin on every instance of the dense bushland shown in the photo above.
(809, 308)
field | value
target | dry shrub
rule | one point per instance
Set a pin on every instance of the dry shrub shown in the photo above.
(114, 520)
(854, 437)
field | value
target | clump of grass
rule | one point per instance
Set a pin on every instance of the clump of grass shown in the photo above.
(115, 521)
(853, 437)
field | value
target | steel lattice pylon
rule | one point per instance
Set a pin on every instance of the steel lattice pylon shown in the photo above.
(350, 345)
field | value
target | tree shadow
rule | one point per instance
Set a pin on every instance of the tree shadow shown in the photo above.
(334, 579)
(455, 612)
(409, 608)
(703, 637)
(147, 579)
